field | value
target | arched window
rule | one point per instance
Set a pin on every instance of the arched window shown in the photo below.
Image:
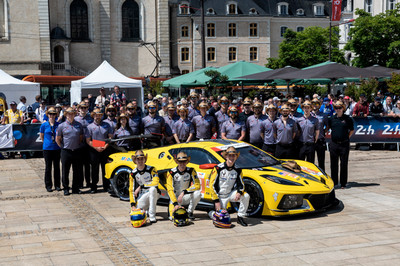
(319, 9)
(300, 28)
(130, 21)
(79, 21)
(232, 9)
(184, 8)
(300, 12)
(391, 4)
(283, 8)
(2, 19)
(58, 54)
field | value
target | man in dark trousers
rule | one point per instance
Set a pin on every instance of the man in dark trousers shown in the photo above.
(342, 127)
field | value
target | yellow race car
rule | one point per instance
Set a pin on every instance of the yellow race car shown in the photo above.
(275, 188)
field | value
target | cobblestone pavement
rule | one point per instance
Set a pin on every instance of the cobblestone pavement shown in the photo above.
(41, 228)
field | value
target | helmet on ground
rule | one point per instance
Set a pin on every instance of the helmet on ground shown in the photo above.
(222, 219)
(181, 217)
(138, 217)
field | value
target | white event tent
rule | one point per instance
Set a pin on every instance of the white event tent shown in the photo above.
(13, 88)
(106, 76)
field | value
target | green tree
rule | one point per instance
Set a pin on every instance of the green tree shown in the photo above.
(394, 84)
(375, 39)
(306, 48)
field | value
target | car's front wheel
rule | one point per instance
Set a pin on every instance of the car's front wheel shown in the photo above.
(256, 198)
(120, 182)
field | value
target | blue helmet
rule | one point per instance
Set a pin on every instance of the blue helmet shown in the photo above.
(222, 219)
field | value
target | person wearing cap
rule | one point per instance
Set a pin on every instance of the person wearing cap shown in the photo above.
(183, 186)
(253, 125)
(247, 112)
(164, 108)
(124, 130)
(222, 115)
(267, 130)
(153, 124)
(349, 105)
(98, 130)
(117, 98)
(69, 136)
(285, 130)
(51, 151)
(376, 108)
(101, 99)
(361, 109)
(226, 183)
(143, 185)
(193, 108)
(85, 119)
(204, 124)
(233, 128)
(293, 105)
(13, 115)
(326, 107)
(30, 116)
(170, 118)
(111, 113)
(135, 121)
(183, 129)
(308, 133)
(342, 127)
(320, 145)
(41, 112)
(58, 108)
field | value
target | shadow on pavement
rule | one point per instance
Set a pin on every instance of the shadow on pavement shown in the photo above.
(357, 184)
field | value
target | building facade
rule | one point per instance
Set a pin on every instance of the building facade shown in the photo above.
(237, 30)
(73, 37)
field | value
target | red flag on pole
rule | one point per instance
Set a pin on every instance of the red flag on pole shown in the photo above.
(336, 10)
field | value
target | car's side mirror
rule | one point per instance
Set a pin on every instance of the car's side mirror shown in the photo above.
(207, 166)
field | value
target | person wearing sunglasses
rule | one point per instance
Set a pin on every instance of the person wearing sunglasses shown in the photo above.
(247, 112)
(194, 103)
(285, 130)
(222, 115)
(233, 128)
(85, 119)
(253, 125)
(342, 127)
(308, 133)
(183, 186)
(111, 113)
(204, 124)
(51, 151)
(153, 124)
(267, 130)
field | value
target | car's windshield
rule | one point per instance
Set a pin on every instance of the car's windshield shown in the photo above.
(251, 157)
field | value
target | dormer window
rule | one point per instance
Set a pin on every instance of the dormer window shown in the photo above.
(231, 9)
(210, 11)
(253, 11)
(300, 12)
(319, 10)
(184, 8)
(283, 8)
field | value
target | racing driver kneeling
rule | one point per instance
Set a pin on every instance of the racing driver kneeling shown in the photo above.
(227, 185)
(143, 185)
(180, 190)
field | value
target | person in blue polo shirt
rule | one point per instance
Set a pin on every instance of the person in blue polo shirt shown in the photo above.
(51, 151)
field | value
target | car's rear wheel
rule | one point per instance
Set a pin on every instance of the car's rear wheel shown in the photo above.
(256, 198)
(120, 182)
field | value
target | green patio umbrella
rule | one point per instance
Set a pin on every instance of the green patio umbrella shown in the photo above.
(187, 78)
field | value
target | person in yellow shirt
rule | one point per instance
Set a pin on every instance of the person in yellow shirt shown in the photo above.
(143, 185)
(13, 115)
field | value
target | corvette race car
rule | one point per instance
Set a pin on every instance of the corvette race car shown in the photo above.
(274, 188)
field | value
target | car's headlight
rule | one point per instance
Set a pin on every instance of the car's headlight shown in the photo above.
(291, 201)
(281, 181)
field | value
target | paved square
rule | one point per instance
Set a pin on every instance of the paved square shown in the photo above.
(41, 228)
